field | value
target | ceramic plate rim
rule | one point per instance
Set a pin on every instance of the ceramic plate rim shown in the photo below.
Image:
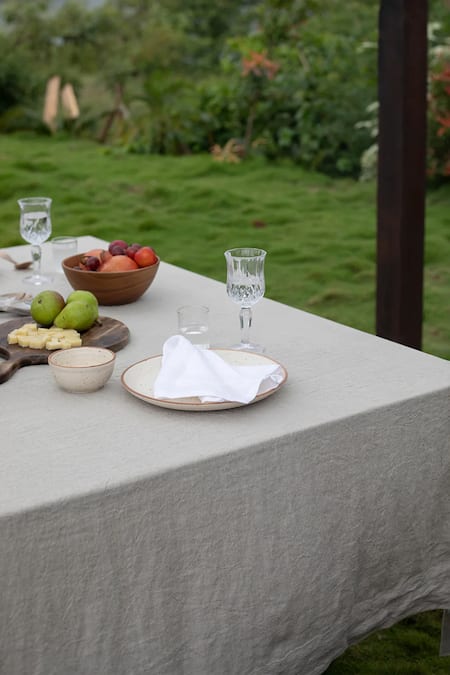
(192, 403)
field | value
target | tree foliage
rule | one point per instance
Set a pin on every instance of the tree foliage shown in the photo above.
(174, 72)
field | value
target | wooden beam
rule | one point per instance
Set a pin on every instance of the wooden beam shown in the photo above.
(402, 77)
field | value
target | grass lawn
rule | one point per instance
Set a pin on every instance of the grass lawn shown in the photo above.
(320, 238)
(319, 232)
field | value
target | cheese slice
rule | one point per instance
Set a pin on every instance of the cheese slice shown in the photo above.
(29, 335)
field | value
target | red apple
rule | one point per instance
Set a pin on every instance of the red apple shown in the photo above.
(145, 257)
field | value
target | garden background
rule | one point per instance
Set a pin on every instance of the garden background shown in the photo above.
(204, 126)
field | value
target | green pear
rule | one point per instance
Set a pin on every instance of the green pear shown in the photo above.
(85, 296)
(46, 306)
(77, 314)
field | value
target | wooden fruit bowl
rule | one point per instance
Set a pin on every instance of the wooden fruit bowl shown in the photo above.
(110, 288)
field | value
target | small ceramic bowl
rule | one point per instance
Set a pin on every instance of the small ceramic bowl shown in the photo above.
(82, 369)
(110, 288)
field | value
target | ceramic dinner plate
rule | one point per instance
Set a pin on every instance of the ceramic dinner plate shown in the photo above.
(138, 380)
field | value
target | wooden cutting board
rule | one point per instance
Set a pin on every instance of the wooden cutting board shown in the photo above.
(109, 333)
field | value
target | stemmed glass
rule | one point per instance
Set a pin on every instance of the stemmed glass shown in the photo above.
(35, 228)
(246, 286)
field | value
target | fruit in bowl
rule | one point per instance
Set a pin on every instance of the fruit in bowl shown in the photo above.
(118, 257)
(117, 275)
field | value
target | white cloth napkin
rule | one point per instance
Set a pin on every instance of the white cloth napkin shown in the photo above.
(187, 370)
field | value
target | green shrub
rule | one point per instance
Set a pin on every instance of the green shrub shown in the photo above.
(305, 110)
(438, 114)
(439, 122)
(439, 103)
(16, 80)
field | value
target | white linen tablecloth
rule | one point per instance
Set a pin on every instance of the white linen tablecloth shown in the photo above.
(262, 540)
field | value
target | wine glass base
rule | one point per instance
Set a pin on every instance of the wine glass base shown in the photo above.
(37, 280)
(249, 347)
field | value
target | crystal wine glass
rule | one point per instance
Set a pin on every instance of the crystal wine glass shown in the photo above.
(246, 286)
(35, 228)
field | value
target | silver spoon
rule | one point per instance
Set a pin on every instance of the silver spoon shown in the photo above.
(18, 266)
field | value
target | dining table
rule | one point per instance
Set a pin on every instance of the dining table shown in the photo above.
(256, 540)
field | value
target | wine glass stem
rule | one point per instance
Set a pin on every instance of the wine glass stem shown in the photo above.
(36, 258)
(245, 316)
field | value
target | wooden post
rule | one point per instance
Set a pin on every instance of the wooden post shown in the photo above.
(402, 76)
